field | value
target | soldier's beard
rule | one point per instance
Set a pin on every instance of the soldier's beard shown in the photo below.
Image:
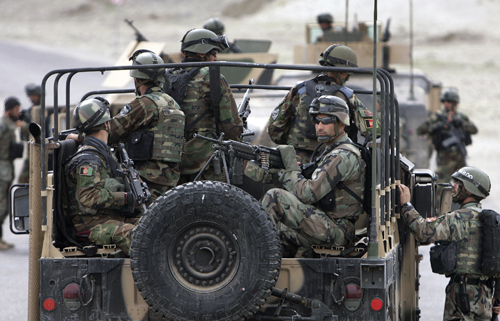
(460, 196)
(327, 139)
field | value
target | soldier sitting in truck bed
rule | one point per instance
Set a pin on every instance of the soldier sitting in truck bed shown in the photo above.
(322, 209)
(101, 210)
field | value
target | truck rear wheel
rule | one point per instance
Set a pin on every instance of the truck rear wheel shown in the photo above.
(205, 251)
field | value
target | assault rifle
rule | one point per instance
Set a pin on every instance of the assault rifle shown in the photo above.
(132, 182)
(238, 152)
(244, 109)
(456, 138)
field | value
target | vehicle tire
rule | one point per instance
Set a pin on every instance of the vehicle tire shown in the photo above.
(205, 251)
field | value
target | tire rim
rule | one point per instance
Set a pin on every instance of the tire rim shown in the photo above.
(204, 257)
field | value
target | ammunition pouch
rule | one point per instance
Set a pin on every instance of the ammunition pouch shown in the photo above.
(444, 257)
(140, 145)
(16, 150)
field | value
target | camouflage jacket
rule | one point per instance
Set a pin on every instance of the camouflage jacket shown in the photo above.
(144, 113)
(340, 164)
(461, 226)
(292, 113)
(8, 136)
(200, 118)
(91, 187)
(438, 127)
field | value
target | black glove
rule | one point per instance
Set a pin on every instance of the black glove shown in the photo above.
(130, 199)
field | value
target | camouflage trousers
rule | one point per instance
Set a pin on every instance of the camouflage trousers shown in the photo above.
(448, 162)
(301, 225)
(207, 175)
(107, 229)
(480, 298)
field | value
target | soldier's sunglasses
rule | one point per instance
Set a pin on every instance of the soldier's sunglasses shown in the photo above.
(325, 120)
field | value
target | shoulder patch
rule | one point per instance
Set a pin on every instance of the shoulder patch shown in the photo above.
(275, 114)
(85, 171)
(430, 219)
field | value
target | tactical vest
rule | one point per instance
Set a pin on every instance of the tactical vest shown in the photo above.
(199, 114)
(469, 249)
(303, 133)
(168, 141)
(339, 203)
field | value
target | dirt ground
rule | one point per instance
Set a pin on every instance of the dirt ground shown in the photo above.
(455, 43)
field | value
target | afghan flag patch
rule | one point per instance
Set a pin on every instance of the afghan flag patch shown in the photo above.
(86, 171)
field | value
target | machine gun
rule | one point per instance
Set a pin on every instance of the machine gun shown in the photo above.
(138, 35)
(238, 152)
(244, 109)
(131, 176)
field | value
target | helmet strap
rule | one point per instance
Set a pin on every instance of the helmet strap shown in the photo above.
(138, 84)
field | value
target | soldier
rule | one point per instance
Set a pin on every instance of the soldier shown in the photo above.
(10, 149)
(321, 209)
(450, 131)
(34, 93)
(95, 200)
(462, 227)
(207, 102)
(325, 21)
(152, 126)
(216, 26)
(290, 122)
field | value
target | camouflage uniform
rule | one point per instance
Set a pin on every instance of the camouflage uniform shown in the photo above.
(8, 136)
(159, 113)
(295, 210)
(449, 159)
(291, 124)
(461, 226)
(24, 177)
(200, 119)
(95, 199)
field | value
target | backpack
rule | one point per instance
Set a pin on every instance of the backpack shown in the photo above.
(490, 256)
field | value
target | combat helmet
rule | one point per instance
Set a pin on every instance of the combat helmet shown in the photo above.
(91, 113)
(450, 96)
(325, 18)
(215, 25)
(475, 181)
(33, 89)
(202, 41)
(147, 57)
(330, 105)
(338, 56)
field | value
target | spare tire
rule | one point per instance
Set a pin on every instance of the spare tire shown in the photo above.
(205, 251)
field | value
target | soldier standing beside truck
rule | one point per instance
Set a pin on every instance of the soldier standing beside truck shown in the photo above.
(470, 291)
(34, 93)
(207, 101)
(152, 126)
(10, 149)
(96, 201)
(290, 122)
(322, 209)
(450, 131)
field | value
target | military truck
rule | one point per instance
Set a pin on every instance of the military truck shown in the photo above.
(208, 251)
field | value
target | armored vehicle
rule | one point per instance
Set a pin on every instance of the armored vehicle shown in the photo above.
(208, 251)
